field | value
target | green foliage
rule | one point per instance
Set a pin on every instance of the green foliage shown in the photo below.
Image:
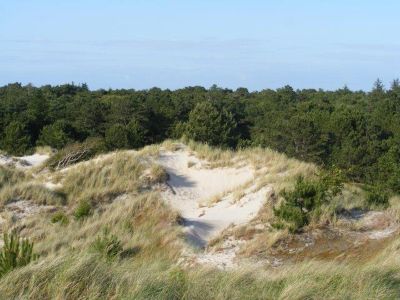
(209, 125)
(15, 140)
(15, 253)
(136, 134)
(54, 135)
(60, 217)
(304, 201)
(294, 215)
(377, 196)
(107, 245)
(83, 210)
(117, 137)
(388, 169)
(359, 132)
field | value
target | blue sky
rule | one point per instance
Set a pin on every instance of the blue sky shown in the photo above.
(172, 44)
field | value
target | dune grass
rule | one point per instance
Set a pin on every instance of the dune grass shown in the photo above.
(18, 185)
(104, 180)
(149, 241)
(11, 176)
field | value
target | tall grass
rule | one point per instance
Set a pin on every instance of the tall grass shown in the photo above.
(11, 176)
(103, 180)
(149, 242)
(85, 276)
(18, 185)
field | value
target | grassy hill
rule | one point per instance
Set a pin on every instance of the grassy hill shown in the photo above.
(111, 227)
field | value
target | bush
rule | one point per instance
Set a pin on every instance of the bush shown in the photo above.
(16, 140)
(136, 134)
(304, 201)
(15, 253)
(295, 216)
(60, 217)
(56, 135)
(208, 124)
(108, 246)
(376, 196)
(116, 137)
(83, 210)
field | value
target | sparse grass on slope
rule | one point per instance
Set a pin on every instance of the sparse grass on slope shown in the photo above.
(104, 180)
(11, 176)
(17, 185)
(149, 244)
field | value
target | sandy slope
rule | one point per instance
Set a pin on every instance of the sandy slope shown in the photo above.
(27, 161)
(191, 186)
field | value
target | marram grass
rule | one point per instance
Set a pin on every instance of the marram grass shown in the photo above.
(150, 243)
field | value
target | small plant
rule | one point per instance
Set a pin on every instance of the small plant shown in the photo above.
(377, 197)
(190, 164)
(15, 253)
(83, 210)
(60, 217)
(158, 174)
(305, 200)
(107, 245)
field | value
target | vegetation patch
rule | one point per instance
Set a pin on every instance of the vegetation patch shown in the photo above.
(60, 217)
(83, 210)
(107, 245)
(303, 203)
(16, 252)
(75, 153)
(105, 179)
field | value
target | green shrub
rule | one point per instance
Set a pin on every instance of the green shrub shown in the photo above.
(107, 246)
(55, 135)
(15, 253)
(376, 196)
(137, 133)
(305, 200)
(83, 210)
(209, 124)
(15, 139)
(293, 215)
(116, 137)
(60, 217)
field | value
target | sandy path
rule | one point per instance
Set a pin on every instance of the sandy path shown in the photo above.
(190, 186)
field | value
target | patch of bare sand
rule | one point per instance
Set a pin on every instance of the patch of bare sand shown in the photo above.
(24, 162)
(191, 183)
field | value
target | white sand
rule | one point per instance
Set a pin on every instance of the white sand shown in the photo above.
(27, 161)
(190, 186)
(35, 159)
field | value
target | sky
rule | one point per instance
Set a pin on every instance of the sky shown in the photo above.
(172, 44)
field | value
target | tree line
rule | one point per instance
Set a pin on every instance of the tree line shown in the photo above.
(356, 131)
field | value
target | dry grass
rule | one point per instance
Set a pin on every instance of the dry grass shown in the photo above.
(12, 176)
(18, 185)
(152, 243)
(158, 174)
(44, 150)
(104, 180)
(216, 157)
(36, 193)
